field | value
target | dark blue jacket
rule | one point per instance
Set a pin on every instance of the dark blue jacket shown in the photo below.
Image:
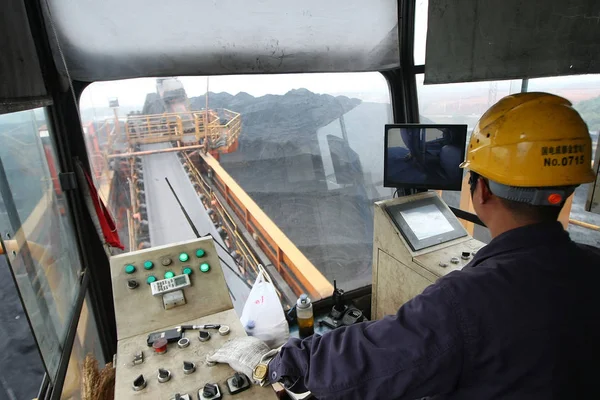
(521, 321)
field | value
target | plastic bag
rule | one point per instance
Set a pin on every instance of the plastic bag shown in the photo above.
(263, 315)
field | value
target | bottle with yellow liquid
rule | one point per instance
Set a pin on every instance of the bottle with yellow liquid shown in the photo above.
(304, 313)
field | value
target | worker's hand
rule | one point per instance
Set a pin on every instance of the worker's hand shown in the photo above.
(242, 354)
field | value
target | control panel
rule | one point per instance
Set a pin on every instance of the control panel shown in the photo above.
(417, 240)
(165, 285)
(173, 308)
(178, 367)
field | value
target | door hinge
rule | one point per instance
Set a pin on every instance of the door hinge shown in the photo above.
(67, 180)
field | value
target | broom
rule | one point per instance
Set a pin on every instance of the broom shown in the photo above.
(97, 385)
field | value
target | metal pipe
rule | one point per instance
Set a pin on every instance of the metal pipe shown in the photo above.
(149, 152)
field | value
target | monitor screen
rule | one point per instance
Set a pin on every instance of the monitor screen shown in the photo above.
(425, 222)
(424, 156)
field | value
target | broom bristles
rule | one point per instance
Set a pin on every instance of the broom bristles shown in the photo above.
(97, 385)
(89, 378)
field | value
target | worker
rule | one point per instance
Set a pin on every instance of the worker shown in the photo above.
(520, 321)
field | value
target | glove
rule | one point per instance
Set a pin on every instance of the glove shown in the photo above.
(242, 354)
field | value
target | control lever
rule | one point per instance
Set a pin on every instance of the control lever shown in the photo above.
(341, 313)
(338, 302)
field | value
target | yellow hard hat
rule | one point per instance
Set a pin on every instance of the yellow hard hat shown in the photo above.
(531, 140)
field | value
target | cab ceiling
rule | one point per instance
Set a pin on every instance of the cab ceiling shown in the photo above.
(474, 40)
(115, 39)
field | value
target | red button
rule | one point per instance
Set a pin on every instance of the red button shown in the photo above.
(554, 198)
(160, 345)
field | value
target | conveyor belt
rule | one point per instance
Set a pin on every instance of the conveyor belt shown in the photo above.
(167, 223)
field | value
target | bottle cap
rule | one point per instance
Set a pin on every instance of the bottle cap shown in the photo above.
(303, 301)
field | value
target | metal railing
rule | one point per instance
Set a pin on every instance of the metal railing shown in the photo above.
(158, 128)
(293, 266)
(217, 134)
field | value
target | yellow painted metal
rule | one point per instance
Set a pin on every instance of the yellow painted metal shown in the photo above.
(219, 128)
(531, 140)
(288, 259)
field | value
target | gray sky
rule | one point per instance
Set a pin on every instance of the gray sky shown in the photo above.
(370, 86)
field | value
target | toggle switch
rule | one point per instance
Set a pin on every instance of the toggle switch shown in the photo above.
(210, 391)
(465, 255)
(238, 383)
(139, 383)
(189, 367)
(204, 336)
(181, 397)
(138, 358)
(164, 375)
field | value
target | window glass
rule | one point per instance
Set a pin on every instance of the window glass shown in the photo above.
(36, 231)
(584, 92)
(294, 162)
(87, 343)
(461, 103)
(21, 364)
(421, 10)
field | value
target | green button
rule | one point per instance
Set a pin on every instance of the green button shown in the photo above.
(183, 257)
(150, 279)
(148, 265)
(200, 253)
(129, 269)
(204, 267)
(169, 275)
(187, 271)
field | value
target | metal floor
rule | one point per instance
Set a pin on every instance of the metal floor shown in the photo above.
(167, 222)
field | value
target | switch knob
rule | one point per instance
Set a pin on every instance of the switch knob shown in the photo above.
(132, 284)
(139, 383)
(164, 375)
(238, 380)
(188, 367)
(465, 255)
(210, 390)
(203, 336)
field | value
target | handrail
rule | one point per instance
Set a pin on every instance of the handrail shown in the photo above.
(290, 262)
(224, 214)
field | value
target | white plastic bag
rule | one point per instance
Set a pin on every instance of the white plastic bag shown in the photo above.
(263, 315)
